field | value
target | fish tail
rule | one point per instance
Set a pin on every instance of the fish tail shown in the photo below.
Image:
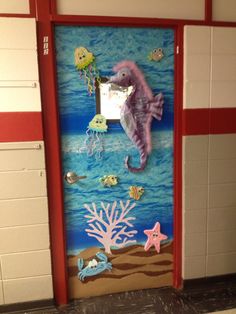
(143, 163)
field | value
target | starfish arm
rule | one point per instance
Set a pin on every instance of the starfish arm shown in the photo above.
(157, 247)
(157, 227)
(147, 246)
(148, 232)
(163, 237)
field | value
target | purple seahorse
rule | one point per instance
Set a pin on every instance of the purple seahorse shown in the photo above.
(139, 109)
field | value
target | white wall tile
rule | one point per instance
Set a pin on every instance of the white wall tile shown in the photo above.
(22, 184)
(223, 94)
(195, 244)
(224, 11)
(195, 147)
(195, 221)
(18, 33)
(224, 67)
(196, 94)
(222, 171)
(27, 264)
(223, 40)
(222, 146)
(25, 61)
(195, 197)
(28, 289)
(221, 264)
(19, 212)
(221, 242)
(197, 67)
(182, 9)
(222, 219)
(194, 37)
(222, 195)
(22, 156)
(23, 98)
(194, 267)
(14, 6)
(23, 239)
(196, 172)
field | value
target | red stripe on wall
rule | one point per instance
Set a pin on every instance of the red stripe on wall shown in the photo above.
(223, 120)
(20, 126)
(209, 121)
(195, 121)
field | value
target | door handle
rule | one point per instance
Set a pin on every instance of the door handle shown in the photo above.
(71, 177)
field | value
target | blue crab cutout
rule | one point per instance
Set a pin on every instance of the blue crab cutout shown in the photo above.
(93, 268)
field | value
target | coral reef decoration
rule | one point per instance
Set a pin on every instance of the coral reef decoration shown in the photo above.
(140, 107)
(110, 224)
(136, 192)
(109, 180)
(94, 142)
(94, 267)
(85, 64)
(154, 237)
(156, 55)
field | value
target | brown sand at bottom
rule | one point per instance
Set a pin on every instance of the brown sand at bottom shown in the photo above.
(132, 269)
(107, 285)
(139, 260)
(134, 252)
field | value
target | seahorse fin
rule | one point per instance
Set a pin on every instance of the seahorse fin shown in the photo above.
(156, 107)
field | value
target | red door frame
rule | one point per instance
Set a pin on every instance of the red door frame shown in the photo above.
(185, 121)
(47, 68)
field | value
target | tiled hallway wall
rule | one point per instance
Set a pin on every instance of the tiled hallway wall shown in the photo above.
(209, 160)
(25, 263)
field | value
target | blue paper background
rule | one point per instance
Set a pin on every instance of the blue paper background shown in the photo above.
(111, 45)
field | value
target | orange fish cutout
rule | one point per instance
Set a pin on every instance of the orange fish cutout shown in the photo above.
(136, 192)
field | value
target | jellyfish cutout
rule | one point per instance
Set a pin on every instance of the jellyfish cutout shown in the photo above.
(85, 64)
(94, 142)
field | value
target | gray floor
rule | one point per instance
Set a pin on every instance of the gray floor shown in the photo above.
(197, 297)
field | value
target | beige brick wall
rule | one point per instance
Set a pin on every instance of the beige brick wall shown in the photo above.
(209, 161)
(24, 232)
(25, 261)
(14, 6)
(209, 67)
(209, 205)
(179, 9)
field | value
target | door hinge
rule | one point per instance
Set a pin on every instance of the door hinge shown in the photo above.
(45, 45)
(177, 50)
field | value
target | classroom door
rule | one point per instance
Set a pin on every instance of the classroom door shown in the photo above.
(119, 223)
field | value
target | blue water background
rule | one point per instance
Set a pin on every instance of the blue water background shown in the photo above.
(111, 45)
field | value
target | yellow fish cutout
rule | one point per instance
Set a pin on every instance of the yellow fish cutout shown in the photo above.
(109, 180)
(156, 55)
(136, 192)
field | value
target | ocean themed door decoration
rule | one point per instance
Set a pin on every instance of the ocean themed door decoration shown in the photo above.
(109, 215)
(138, 110)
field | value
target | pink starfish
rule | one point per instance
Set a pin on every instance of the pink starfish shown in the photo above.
(154, 237)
